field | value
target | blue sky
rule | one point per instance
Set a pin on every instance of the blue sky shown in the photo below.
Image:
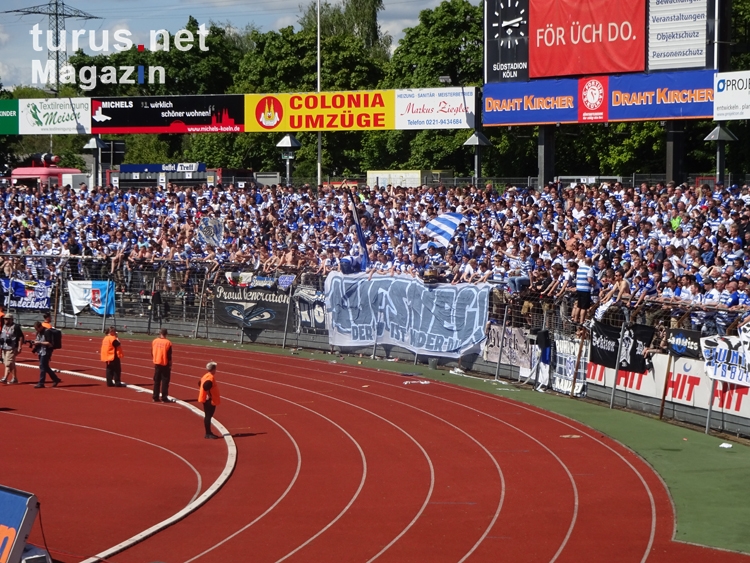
(140, 16)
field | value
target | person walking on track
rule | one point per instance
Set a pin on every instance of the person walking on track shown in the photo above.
(208, 394)
(161, 353)
(12, 340)
(112, 355)
(42, 347)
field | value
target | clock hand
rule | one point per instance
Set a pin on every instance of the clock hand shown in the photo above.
(514, 22)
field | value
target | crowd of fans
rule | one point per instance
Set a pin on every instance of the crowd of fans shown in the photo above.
(640, 249)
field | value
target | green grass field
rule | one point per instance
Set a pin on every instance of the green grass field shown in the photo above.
(710, 485)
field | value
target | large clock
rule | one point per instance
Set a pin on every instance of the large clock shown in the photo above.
(506, 28)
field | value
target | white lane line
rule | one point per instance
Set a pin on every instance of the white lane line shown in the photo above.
(191, 507)
(291, 438)
(497, 466)
(332, 522)
(551, 452)
(416, 442)
(594, 438)
(175, 454)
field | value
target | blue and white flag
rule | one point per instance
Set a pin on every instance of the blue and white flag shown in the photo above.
(99, 295)
(443, 227)
(27, 294)
(360, 234)
(211, 231)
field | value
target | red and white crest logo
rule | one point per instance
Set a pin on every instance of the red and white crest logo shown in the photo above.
(592, 94)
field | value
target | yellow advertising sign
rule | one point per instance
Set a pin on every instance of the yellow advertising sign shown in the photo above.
(324, 111)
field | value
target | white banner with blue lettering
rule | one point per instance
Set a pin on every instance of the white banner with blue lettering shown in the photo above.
(435, 319)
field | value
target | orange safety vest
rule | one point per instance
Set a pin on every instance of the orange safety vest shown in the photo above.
(109, 352)
(160, 349)
(45, 324)
(202, 394)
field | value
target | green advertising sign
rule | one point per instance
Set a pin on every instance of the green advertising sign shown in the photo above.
(8, 117)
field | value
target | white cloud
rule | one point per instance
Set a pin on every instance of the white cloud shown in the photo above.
(4, 36)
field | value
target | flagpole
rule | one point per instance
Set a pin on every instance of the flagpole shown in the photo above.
(320, 138)
(617, 367)
(666, 386)
(104, 316)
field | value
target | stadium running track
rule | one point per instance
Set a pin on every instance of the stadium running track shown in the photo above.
(334, 464)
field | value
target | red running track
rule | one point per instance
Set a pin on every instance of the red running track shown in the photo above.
(336, 463)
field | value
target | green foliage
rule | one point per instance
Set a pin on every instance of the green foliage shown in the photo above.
(446, 42)
(354, 18)
(186, 72)
(146, 149)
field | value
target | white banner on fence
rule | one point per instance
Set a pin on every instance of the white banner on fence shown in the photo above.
(515, 346)
(566, 355)
(688, 385)
(725, 359)
(440, 319)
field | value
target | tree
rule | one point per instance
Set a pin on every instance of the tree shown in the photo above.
(285, 61)
(356, 18)
(195, 71)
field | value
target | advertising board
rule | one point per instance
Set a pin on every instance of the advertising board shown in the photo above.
(575, 37)
(325, 111)
(169, 114)
(435, 108)
(57, 116)
(677, 34)
(732, 95)
(628, 97)
(8, 117)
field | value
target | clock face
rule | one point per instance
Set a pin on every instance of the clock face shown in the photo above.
(511, 24)
(506, 40)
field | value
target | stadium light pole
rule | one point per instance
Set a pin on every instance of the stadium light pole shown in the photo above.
(320, 135)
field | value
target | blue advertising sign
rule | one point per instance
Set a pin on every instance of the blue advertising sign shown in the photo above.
(598, 99)
(17, 513)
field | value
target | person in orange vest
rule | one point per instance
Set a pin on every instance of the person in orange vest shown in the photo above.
(208, 395)
(111, 355)
(161, 353)
(47, 322)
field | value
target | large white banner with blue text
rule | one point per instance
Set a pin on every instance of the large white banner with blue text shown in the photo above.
(436, 319)
(725, 359)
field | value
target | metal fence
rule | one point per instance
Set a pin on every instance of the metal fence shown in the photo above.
(171, 291)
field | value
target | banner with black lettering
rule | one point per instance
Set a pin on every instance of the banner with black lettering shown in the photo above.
(311, 308)
(249, 307)
(725, 359)
(635, 339)
(684, 343)
(604, 343)
(436, 319)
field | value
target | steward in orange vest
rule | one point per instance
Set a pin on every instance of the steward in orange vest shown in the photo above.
(111, 355)
(161, 353)
(208, 395)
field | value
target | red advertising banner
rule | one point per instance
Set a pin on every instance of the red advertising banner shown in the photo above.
(569, 37)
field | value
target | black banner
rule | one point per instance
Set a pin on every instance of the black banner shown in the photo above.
(311, 308)
(635, 339)
(250, 307)
(604, 343)
(506, 40)
(169, 114)
(684, 343)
